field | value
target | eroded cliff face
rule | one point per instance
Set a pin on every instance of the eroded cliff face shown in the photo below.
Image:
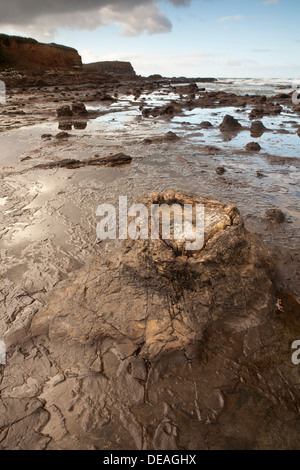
(26, 53)
(115, 67)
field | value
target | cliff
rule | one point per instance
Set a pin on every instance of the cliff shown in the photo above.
(26, 53)
(115, 67)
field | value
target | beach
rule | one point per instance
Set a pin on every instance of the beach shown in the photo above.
(68, 148)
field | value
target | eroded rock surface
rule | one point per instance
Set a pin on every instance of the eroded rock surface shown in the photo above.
(156, 347)
(189, 290)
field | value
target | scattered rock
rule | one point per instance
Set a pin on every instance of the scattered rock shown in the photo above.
(253, 147)
(257, 129)
(230, 124)
(173, 321)
(259, 174)
(275, 215)
(205, 125)
(270, 109)
(167, 110)
(63, 135)
(210, 149)
(79, 108)
(106, 97)
(220, 170)
(64, 111)
(41, 83)
(168, 137)
(110, 160)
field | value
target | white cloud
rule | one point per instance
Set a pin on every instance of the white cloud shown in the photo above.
(231, 18)
(143, 18)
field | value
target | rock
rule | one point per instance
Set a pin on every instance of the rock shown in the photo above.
(106, 97)
(205, 125)
(260, 174)
(298, 132)
(64, 111)
(275, 215)
(62, 135)
(171, 109)
(79, 108)
(253, 147)
(46, 136)
(210, 149)
(193, 88)
(190, 89)
(150, 346)
(230, 124)
(113, 67)
(173, 321)
(270, 109)
(71, 163)
(296, 109)
(220, 170)
(168, 137)
(257, 129)
(41, 83)
(168, 110)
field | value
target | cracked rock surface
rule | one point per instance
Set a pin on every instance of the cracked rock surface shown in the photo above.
(155, 347)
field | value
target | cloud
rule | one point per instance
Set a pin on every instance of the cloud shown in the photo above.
(231, 18)
(42, 18)
(270, 2)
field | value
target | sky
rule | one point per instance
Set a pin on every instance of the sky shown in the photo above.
(193, 38)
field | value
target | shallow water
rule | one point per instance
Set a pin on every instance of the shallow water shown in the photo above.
(253, 86)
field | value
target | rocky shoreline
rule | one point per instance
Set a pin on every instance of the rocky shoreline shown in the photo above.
(133, 345)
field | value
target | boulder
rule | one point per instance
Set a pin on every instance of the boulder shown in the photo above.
(168, 137)
(190, 290)
(64, 111)
(205, 125)
(63, 135)
(257, 129)
(253, 147)
(275, 215)
(230, 124)
(220, 170)
(152, 346)
(79, 108)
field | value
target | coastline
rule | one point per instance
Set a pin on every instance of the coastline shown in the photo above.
(48, 239)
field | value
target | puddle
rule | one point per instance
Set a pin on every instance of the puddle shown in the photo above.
(285, 145)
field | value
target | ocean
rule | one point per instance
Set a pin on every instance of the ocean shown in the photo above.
(254, 86)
